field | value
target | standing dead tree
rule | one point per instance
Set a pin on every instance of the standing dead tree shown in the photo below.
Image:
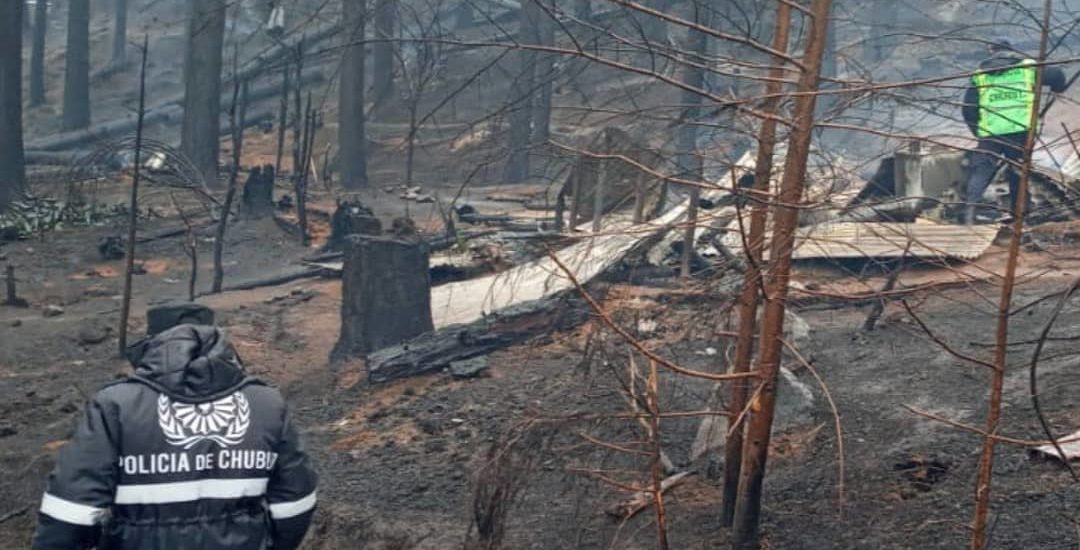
(77, 67)
(298, 112)
(237, 114)
(190, 246)
(521, 97)
(657, 468)
(420, 70)
(201, 126)
(352, 132)
(785, 220)
(384, 51)
(37, 54)
(300, 180)
(133, 205)
(119, 42)
(1004, 313)
(753, 246)
(283, 116)
(689, 160)
(12, 161)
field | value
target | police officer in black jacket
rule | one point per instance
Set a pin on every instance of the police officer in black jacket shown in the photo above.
(188, 453)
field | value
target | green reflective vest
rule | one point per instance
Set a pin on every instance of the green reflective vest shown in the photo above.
(1006, 99)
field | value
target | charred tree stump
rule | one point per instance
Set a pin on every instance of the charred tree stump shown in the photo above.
(351, 218)
(386, 293)
(257, 200)
(9, 281)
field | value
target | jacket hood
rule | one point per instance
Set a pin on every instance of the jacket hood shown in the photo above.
(192, 363)
(1001, 60)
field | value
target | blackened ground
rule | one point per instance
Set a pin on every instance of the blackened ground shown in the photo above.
(398, 461)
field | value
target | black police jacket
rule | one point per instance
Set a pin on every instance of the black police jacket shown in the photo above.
(187, 453)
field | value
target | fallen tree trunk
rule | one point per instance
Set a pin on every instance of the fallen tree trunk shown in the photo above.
(168, 233)
(434, 351)
(74, 156)
(169, 112)
(276, 280)
(55, 158)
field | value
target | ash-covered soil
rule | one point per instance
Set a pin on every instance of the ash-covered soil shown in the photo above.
(399, 461)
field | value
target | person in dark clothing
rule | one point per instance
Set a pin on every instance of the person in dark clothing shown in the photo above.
(997, 109)
(187, 453)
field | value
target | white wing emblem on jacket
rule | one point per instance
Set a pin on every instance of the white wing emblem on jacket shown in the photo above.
(224, 421)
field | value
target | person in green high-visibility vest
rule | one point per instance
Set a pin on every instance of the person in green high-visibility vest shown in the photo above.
(997, 108)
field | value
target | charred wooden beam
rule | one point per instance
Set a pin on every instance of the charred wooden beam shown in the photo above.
(434, 351)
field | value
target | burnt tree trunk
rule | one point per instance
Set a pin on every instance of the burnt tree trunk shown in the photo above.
(352, 135)
(283, 117)
(300, 179)
(77, 68)
(386, 293)
(464, 15)
(199, 135)
(521, 95)
(583, 10)
(12, 162)
(133, 206)
(119, 44)
(257, 200)
(883, 24)
(545, 71)
(37, 54)
(654, 28)
(382, 59)
(237, 112)
(785, 221)
(298, 113)
(749, 295)
(689, 161)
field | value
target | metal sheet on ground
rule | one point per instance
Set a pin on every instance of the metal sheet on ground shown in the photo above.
(467, 301)
(1071, 448)
(851, 240)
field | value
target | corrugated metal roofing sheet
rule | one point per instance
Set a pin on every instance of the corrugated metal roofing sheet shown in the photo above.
(893, 240)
